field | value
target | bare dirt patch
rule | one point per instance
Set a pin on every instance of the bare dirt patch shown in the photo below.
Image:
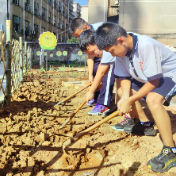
(31, 142)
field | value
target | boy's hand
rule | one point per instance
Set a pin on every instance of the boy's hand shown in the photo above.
(120, 101)
(89, 96)
(91, 78)
(124, 105)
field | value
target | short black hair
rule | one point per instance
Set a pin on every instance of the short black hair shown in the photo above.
(86, 38)
(107, 34)
(76, 23)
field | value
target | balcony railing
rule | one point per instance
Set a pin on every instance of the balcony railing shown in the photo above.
(27, 7)
(16, 2)
(36, 12)
(49, 2)
(43, 16)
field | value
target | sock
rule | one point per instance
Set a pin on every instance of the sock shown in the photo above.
(147, 124)
(173, 149)
(127, 117)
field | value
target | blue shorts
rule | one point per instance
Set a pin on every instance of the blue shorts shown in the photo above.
(166, 88)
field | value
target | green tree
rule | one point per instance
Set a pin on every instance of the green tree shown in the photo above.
(73, 40)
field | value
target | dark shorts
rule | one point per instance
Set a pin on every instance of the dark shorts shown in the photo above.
(166, 88)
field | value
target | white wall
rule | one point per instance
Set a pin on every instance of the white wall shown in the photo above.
(153, 18)
(84, 12)
(3, 12)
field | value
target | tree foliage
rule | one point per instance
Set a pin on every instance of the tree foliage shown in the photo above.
(73, 40)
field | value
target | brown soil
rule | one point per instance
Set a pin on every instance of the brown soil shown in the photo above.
(31, 142)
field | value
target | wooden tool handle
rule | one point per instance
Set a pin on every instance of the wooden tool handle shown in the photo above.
(73, 114)
(74, 139)
(76, 93)
(80, 106)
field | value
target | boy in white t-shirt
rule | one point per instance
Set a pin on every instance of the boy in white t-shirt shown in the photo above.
(144, 68)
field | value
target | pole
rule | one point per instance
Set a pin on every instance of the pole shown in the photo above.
(9, 58)
(25, 50)
(23, 21)
(21, 59)
(8, 10)
(46, 68)
(31, 58)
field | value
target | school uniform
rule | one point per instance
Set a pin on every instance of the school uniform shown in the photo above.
(105, 94)
(148, 61)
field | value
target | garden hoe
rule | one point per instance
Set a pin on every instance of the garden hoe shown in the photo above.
(78, 108)
(73, 114)
(72, 140)
(60, 102)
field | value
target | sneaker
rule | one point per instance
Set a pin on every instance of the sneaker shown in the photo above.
(139, 129)
(105, 110)
(110, 111)
(120, 126)
(97, 109)
(164, 161)
(91, 102)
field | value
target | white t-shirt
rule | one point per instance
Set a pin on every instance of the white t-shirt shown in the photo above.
(150, 60)
(107, 58)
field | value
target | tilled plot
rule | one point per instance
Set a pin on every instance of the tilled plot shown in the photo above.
(31, 142)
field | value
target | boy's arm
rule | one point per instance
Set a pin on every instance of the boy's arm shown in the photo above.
(126, 104)
(125, 85)
(101, 72)
(143, 91)
(90, 63)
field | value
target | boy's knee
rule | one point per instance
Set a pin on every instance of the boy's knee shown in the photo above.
(119, 92)
(154, 100)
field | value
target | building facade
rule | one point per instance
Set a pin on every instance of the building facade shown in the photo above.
(152, 18)
(76, 10)
(30, 18)
(84, 12)
(107, 10)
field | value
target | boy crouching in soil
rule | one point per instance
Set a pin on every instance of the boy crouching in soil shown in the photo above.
(144, 67)
(87, 45)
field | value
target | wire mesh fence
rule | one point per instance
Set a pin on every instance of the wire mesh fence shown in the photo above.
(24, 55)
(20, 61)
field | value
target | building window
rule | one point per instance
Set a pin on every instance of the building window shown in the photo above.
(17, 2)
(49, 17)
(60, 6)
(27, 28)
(36, 30)
(36, 8)
(63, 27)
(16, 23)
(66, 13)
(27, 5)
(54, 21)
(43, 29)
(55, 4)
(49, 2)
(63, 11)
(58, 21)
(43, 13)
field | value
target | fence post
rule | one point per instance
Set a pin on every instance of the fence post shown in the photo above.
(28, 57)
(46, 68)
(31, 57)
(21, 59)
(8, 64)
(25, 50)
